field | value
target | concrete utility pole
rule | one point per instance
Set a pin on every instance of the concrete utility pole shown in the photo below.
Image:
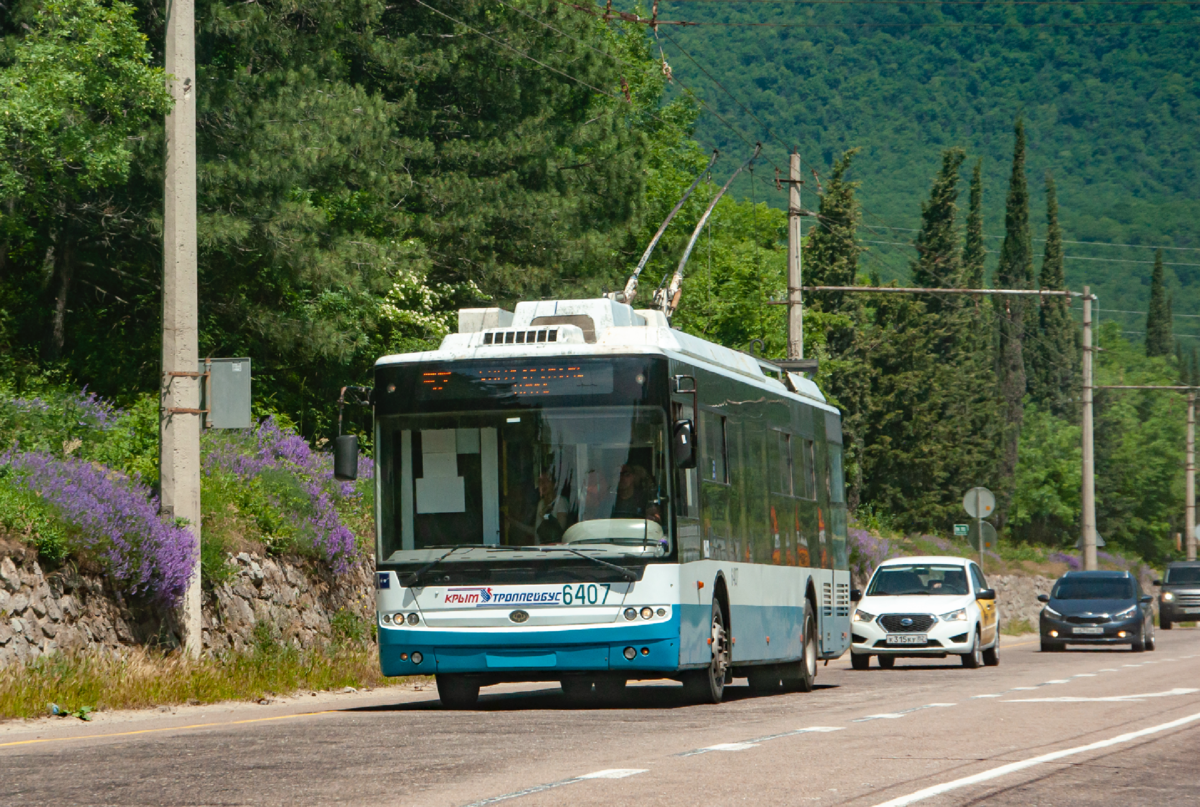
(1088, 516)
(179, 413)
(1190, 484)
(795, 264)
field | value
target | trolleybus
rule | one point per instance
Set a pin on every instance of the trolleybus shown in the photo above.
(576, 492)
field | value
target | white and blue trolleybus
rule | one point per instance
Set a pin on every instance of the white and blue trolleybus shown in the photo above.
(576, 492)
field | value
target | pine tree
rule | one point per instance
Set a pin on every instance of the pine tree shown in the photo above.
(937, 264)
(1158, 318)
(974, 251)
(1014, 272)
(1052, 358)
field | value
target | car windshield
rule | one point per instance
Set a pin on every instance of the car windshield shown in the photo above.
(587, 479)
(1183, 574)
(1094, 588)
(897, 581)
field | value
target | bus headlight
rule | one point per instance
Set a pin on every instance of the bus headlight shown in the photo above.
(414, 619)
(386, 619)
(631, 613)
(647, 612)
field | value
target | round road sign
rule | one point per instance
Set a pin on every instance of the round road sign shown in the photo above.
(989, 535)
(979, 502)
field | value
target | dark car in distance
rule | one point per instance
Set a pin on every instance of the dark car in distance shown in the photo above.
(1097, 608)
(1179, 594)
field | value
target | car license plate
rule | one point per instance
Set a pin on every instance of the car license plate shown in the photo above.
(1191, 610)
(907, 638)
(1088, 631)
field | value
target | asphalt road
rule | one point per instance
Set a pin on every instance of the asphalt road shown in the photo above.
(1063, 729)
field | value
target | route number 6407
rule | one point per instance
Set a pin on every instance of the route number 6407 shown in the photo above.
(589, 594)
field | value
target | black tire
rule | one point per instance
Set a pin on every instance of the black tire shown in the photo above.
(1151, 643)
(708, 685)
(991, 656)
(1164, 624)
(886, 662)
(974, 659)
(803, 674)
(457, 691)
(577, 689)
(1139, 644)
(860, 662)
(1051, 647)
(610, 691)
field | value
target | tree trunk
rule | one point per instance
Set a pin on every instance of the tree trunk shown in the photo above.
(64, 275)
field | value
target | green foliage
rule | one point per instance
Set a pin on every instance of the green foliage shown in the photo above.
(1046, 497)
(1053, 353)
(24, 515)
(1159, 341)
(974, 252)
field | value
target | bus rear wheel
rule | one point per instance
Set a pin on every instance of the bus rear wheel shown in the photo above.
(708, 685)
(457, 691)
(804, 672)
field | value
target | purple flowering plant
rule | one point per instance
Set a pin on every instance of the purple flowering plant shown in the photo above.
(110, 517)
(868, 551)
(273, 475)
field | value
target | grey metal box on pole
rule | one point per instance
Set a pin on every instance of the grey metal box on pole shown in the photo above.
(225, 393)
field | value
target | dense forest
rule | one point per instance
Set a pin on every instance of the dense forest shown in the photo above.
(365, 169)
(1109, 92)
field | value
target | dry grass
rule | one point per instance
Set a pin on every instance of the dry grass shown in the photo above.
(148, 678)
(1016, 627)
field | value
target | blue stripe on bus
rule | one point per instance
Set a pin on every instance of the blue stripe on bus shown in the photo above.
(752, 624)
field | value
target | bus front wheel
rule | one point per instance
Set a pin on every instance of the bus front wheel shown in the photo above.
(708, 685)
(457, 691)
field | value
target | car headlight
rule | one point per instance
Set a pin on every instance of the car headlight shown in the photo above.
(955, 616)
(1168, 597)
(862, 616)
(1128, 613)
(1050, 612)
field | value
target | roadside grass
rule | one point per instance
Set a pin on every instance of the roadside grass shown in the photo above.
(1016, 627)
(146, 678)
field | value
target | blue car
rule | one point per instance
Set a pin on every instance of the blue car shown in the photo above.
(1097, 608)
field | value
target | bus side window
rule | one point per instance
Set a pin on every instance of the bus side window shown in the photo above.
(805, 485)
(713, 463)
(779, 452)
(837, 485)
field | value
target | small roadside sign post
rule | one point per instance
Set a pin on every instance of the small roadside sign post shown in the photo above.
(962, 530)
(979, 504)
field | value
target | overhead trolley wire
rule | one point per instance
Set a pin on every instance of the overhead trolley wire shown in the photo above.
(1065, 241)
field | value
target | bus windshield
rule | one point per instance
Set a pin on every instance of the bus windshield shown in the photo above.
(588, 479)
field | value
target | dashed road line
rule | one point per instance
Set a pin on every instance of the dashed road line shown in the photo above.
(897, 715)
(753, 743)
(1108, 698)
(1013, 767)
(613, 773)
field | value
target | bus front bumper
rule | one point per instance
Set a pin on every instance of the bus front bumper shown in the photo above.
(532, 654)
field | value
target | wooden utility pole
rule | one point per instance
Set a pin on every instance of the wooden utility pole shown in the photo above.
(795, 264)
(179, 412)
(1088, 516)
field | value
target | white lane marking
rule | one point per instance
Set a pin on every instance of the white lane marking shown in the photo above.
(755, 741)
(1013, 767)
(1108, 699)
(1056, 681)
(613, 773)
(1109, 669)
(993, 695)
(1022, 689)
(1084, 675)
(897, 715)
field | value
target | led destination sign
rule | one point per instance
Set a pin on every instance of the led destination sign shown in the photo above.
(544, 379)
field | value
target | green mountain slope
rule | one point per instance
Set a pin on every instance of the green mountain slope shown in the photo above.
(1110, 94)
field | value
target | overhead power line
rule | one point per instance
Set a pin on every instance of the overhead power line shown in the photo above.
(1065, 257)
(1065, 241)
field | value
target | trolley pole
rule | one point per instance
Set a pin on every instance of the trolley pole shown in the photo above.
(179, 412)
(1089, 462)
(1190, 482)
(795, 265)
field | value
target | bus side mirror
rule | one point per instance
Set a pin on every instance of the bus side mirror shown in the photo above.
(345, 458)
(683, 438)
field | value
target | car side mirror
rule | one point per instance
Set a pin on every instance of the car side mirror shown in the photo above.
(1043, 598)
(1145, 598)
(855, 595)
(683, 440)
(1158, 582)
(986, 594)
(345, 458)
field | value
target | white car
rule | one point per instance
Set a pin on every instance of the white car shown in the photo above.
(926, 607)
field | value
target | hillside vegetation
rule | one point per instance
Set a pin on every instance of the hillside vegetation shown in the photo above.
(1110, 94)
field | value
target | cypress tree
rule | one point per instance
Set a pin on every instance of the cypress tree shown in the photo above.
(974, 252)
(937, 264)
(1052, 358)
(1158, 317)
(1195, 369)
(1014, 272)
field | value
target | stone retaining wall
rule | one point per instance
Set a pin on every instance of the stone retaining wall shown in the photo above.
(66, 610)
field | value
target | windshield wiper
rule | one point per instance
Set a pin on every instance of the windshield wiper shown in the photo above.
(628, 574)
(419, 573)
